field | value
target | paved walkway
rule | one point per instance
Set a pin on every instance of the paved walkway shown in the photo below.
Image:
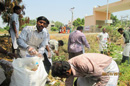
(55, 34)
(68, 34)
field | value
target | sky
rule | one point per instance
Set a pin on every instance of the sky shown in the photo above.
(59, 10)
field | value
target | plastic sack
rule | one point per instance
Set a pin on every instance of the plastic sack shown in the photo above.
(23, 75)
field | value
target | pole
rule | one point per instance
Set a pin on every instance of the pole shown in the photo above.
(107, 9)
(72, 20)
(72, 17)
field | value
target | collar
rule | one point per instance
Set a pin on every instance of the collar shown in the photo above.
(35, 29)
(16, 14)
(73, 69)
(78, 31)
(103, 32)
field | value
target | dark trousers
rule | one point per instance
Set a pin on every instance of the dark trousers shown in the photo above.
(125, 58)
(104, 52)
(46, 63)
(101, 52)
(71, 55)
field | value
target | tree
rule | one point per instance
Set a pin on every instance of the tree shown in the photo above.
(9, 4)
(114, 19)
(58, 24)
(32, 22)
(27, 22)
(78, 22)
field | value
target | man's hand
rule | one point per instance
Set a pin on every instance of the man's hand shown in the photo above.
(56, 52)
(32, 51)
(89, 49)
(39, 55)
(17, 37)
(11, 55)
(123, 46)
(98, 84)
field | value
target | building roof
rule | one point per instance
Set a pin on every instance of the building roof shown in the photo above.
(115, 7)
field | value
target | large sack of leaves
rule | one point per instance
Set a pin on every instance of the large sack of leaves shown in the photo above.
(28, 72)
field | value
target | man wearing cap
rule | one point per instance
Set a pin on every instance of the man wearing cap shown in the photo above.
(33, 39)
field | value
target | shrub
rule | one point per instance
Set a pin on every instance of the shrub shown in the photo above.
(54, 28)
(6, 28)
(124, 79)
(24, 26)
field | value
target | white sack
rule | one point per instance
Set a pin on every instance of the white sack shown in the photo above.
(22, 76)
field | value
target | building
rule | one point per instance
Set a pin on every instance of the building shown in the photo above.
(100, 13)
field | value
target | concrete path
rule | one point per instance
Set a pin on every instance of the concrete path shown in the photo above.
(68, 34)
(56, 34)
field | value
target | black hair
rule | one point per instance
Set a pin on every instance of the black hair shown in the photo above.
(80, 28)
(103, 28)
(2, 6)
(120, 29)
(43, 18)
(59, 68)
(47, 21)
(16, 8)
(61, 42)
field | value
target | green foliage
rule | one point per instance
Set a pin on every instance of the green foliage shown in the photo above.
(58, 24)
(54, 28)
(114, 51)
(6, 28)
(32, 22)
(9, 4)
(124, 79)
(115, 20)
(78, 22)
(25, 25)
(2, 30)
(59, 58)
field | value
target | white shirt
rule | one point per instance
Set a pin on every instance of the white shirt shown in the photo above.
(54, 43)
(103, 37)
(15, 18)
(30, 37)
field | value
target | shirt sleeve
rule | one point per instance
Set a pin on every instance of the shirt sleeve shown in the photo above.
(85, 42)
(23, 38)
(41, 50)
(69, 81)
(14, 18)
(56, 45)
